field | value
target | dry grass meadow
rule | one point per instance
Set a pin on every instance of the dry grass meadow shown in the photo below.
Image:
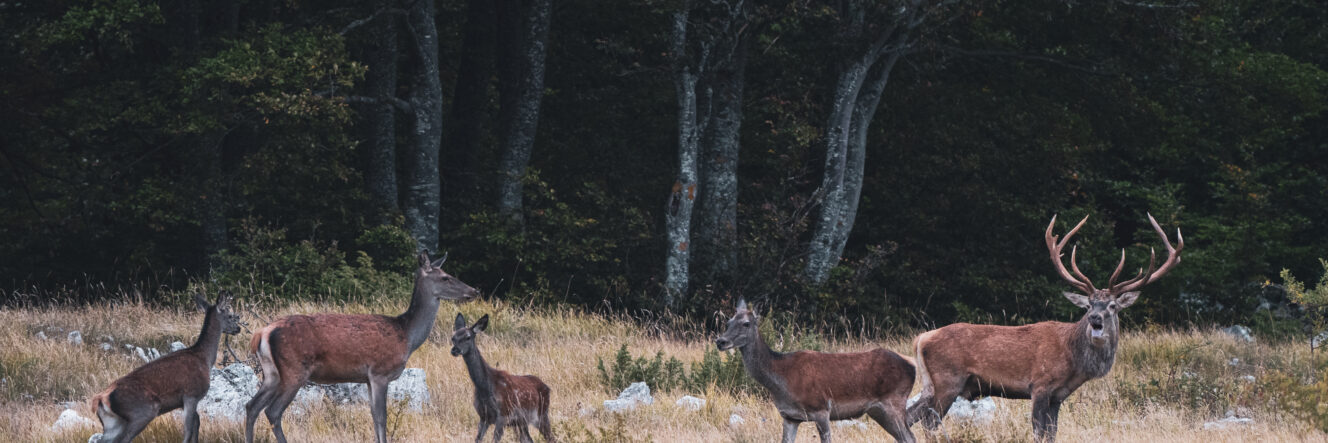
(1165, 384)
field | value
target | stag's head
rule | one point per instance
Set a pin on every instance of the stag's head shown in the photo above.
(230, 321)
(431, 280)
(463, 337)
(1101, 323)
(741, 330)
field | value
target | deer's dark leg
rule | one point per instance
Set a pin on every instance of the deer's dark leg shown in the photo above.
(278, 407)
(1042, 416)
(790, 430)
(891, 417)
(498, 427)
(524, 431)
(191, 421)
(484, 428)
(266, 392)
(378, 393)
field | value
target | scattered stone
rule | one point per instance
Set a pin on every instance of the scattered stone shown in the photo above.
(69, 419)
(41, 335)
(690, 403)
(410, 387)
(637, 393)
(75, 338)
(982, 409)
(1188, 374)
(1234, 362)
(735, 420)
(852, 423)
(584, 411)
(95, 438)
(176, 346)
(1247, 378)
(231, 388)
(105, 346)
(1319, 340)
(1227, 422)
(1240, 333)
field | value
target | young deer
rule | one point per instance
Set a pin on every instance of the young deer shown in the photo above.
(346, 348)
(820, 387)
(176, 380)
(1044, 361)
(501, 399)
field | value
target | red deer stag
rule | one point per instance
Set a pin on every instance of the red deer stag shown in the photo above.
(1043, 361)
(346, 348)
(820, 387)
(501, 399)
(178, 380)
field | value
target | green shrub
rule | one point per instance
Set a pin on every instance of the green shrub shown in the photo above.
(1296, 397)
(1314, 300)
(713, 372)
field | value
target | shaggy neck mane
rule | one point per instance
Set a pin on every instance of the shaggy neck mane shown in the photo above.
(1094, 360)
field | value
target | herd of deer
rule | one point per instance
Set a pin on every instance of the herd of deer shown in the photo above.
(1045, 362)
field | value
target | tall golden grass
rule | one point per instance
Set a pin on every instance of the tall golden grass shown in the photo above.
(1158, 391)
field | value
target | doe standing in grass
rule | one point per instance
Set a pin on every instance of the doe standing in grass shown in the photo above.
(501, 399)
(1044, 361)
(820, 387)
(177, 380)
(346, 348)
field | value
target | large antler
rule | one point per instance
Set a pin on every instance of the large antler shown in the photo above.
(1054, 247)
(1173, 257)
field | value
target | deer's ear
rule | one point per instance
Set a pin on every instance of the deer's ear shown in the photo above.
(439, 263)
(1079, 300)
(424, 259)
(201, 301)
(482, 324)
(742, 304)
(1126, 299)
(224, 300)
(460, 322)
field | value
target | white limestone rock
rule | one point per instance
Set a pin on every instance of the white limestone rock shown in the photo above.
(69, 419)
(636, 394)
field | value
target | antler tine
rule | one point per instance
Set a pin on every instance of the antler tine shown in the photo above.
(1074, 266)
(1173, 257)
(1119, 266)
(1054, 247)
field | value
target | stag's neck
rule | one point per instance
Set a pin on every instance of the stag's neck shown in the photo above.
(479, 374)
(210, 337)
(759, 360)
(1092, 359)
(418, 319)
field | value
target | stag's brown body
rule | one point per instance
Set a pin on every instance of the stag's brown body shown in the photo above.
(1045, 362)
(819, 386)
(346, 348)
(177, 380)
(502, 399)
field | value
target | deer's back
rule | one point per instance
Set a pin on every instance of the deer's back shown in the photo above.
(816, 380)
(519, 395)
(337, 348)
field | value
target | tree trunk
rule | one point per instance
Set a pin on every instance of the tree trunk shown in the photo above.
(717, 208)
(469, 105)
(518, 130)
(682, 196)
(379, 127)
(426, 99)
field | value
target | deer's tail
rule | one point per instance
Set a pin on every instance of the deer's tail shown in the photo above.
(261, 346)
(100, 405)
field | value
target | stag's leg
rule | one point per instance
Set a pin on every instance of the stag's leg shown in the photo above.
(137, 423)
(498, 427)
(891, 417)
(378, 392)
(525, 434)
(790, 430)
(191, 420)
(1042, 417)
(112, 426)
(266, 392)
(484, 428)
(823, 426)
(546, 428)
(278, 407)
(933, 413)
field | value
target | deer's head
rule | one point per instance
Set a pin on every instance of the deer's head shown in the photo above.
(1100, 322)
(463, 337)
(741, 329)
(230, 321)
(431, 280)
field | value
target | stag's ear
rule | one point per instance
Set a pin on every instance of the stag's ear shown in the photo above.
(1079, 300)
(201, 301)
(460, 322)
(1125, 300)
(424, 259)
(482, 324)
